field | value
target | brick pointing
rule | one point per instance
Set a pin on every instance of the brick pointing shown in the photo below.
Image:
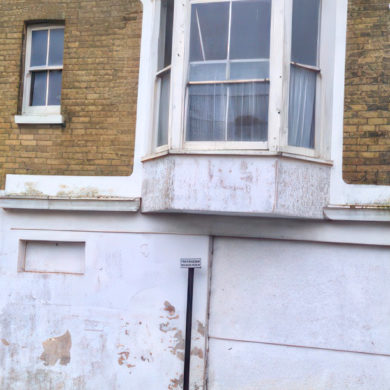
(99, 93)
(367, 94)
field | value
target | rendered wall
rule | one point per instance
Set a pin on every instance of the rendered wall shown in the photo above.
(367, 94)
(299, 315)
(119, 325)
(99, 92)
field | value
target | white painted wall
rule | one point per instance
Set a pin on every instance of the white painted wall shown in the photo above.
(299, 315)
(125, 314)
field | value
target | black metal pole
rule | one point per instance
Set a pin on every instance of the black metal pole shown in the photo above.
(187, 352)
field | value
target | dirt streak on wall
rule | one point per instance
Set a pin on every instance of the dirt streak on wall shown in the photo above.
(99, 89)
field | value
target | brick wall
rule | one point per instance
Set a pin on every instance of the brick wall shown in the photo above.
(101, 61)
(367, 93)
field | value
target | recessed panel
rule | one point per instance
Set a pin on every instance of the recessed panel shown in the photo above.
(52, 256)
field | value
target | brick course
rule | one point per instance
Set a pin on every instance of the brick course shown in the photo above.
(99, 93)
(367, 94)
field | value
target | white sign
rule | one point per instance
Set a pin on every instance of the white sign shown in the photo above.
(191, 262)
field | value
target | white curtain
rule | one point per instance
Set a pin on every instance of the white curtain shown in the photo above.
(248, 112)
(302, 107)
(206, 112)
(243, 105)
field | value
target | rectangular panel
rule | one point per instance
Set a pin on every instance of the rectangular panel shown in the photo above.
(249, 70)
(250, 29)
(301, 111)
(50, 256)
(304, 294)
(39, 48)
(250, 366)
(38, 88)
(55, 81)
(206, 112)
(56, 50)
(304, 38)
(248, 112)
(163, 111)
(209, 31)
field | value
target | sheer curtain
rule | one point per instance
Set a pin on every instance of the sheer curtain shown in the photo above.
(206, 112)
(234, 112)
(302, 107)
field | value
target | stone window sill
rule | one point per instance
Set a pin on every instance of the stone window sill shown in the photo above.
(39, 119)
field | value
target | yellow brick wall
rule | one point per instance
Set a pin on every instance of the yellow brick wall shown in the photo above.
(99, 92)
(367, 94)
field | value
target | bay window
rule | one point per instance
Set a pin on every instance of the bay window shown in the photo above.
(239, 74)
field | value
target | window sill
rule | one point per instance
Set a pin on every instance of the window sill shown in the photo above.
(243, 153)
(103, 204)
(39, 119)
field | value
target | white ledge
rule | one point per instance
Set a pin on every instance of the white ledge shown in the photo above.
(13, 202)
(362, 213)
(39, 119)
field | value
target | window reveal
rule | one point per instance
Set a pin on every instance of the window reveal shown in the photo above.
(228, 85)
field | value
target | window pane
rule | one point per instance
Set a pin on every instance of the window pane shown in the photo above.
(249, 70)
(206, 113)
(55, 80)
(38, 88)
(248, 112)
(208, 72)
(305, 31)
(163, 113)
(209, 31)
(165, 36)
(250, 31)
(302, 107)
(38, 48)
(56, 50)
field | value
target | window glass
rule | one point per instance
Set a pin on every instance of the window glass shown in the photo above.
(207, 112)
(249, 70)
(208, 71)
(302, 107)
(38, 88)
(248, 112)
(250, 30)
(38, 48)
(163, 115)
(229, 41)
(209, 31)
(55, 80)
(304, 39)
(165, 36)
(56, 50)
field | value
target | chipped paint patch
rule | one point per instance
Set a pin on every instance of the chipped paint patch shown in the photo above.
(169, 308)
(176, 383)
(201, 328)
(178, 348)
(197, 352)
(57, 348)
(5, 342)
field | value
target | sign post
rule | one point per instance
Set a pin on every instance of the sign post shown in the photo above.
(190, 264)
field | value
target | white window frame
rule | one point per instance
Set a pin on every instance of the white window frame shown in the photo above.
(157, 84)
(26, 108)
(280, 53)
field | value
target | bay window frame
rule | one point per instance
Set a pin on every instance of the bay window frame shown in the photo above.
(279, 85)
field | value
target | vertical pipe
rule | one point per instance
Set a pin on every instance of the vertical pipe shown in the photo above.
(187, 354)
